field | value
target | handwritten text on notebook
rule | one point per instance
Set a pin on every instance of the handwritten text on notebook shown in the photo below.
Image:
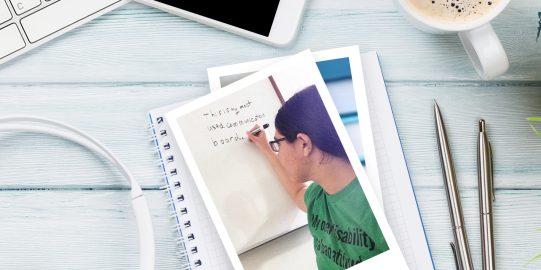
(228, 124)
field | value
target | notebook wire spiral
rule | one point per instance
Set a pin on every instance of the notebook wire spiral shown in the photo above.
(176, 197)
(200, 245)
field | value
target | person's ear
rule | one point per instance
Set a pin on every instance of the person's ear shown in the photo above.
(305, 143)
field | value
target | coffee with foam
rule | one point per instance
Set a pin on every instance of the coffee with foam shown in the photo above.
(453, 11)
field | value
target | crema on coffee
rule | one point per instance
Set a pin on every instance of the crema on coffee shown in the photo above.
(453, 10)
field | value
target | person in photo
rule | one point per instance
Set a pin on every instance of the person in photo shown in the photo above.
(311, 163)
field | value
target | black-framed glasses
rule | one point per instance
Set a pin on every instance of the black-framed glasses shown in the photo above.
(275, 145)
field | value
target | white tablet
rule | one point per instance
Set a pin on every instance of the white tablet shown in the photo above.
(273, 22)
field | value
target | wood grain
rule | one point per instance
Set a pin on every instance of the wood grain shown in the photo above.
(117, 115)
(65, 208)
(96, 229)
(141, 44)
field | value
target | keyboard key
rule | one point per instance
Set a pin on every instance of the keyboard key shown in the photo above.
(4, 12)
(54, 17)
(22, 6)
(11, 40)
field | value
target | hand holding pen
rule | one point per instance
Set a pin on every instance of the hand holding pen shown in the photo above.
(257, 129)
(258, 136)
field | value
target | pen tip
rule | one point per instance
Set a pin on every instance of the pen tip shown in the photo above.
(481, 125)
(436, 107)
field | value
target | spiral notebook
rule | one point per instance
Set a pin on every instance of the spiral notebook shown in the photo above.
(200, 244)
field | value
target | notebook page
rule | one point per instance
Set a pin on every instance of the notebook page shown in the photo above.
(398, 196)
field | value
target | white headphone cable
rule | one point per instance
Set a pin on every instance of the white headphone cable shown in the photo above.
(139, 203)
(100, 149)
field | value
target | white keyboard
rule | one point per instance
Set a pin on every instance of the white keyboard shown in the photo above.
(26, 24)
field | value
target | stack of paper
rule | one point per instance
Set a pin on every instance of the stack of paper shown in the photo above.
(258, 222)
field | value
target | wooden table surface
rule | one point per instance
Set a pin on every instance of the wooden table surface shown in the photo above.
(62, 207)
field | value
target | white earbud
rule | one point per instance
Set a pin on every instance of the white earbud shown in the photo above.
(70, 133)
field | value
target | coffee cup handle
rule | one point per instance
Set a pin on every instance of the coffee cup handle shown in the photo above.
(485, 51)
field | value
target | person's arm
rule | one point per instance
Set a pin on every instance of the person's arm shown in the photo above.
(295, 190)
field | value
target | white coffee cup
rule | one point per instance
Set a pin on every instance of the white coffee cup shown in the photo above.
(477, 35)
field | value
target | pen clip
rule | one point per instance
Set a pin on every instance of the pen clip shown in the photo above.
(455, 256)
(491, 171)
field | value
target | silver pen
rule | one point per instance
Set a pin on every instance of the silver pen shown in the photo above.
(461, 249)
(486, 197)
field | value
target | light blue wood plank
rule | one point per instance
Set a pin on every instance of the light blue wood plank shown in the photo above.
(141, 44)
(117, 115)
(516, 148)
(80, 230)
(96, 229)
(516, 223)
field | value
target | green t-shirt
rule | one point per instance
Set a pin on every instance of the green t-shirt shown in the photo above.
(343, 226)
